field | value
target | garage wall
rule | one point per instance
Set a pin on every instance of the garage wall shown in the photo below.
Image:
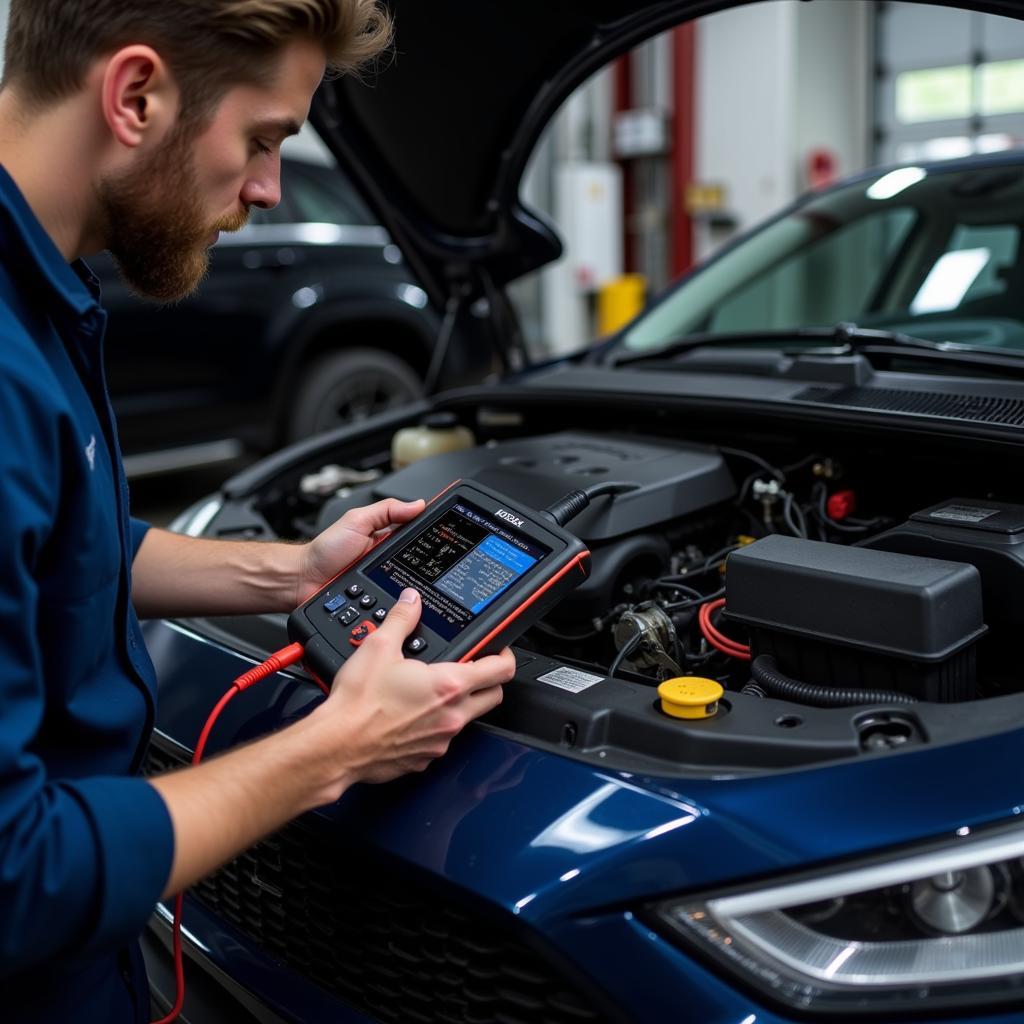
(744, 91)
(774, 82)
(833, 85)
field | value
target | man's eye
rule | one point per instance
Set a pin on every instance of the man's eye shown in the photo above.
(261, 147)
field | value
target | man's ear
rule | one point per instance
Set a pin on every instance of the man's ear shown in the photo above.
(139, 97)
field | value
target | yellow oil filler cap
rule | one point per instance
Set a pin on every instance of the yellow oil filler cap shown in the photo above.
(690, 697)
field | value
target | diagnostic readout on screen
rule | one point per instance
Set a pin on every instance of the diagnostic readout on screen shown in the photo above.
(460, 563)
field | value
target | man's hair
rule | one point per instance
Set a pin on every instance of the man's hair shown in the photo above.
(209, 45)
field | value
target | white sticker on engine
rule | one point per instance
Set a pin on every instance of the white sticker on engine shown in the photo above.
(569, 679)
(963, 513)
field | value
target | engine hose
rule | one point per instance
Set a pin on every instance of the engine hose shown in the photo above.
(777, 684)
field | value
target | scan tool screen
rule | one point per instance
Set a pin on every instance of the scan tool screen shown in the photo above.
(459, 563)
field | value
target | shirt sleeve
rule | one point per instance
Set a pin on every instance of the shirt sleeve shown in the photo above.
(82, 862)
(139, 530)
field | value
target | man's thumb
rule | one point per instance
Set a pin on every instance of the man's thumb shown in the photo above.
(404, 615)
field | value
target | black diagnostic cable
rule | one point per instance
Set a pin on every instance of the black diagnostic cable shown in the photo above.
(572, 504)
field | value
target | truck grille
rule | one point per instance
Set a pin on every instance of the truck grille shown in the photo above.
(394, 944)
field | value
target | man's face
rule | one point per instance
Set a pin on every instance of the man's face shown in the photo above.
(162, 215)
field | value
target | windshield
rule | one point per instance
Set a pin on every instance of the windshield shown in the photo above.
(936, 255)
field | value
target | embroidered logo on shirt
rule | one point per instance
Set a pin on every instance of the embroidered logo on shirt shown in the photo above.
(90, 452)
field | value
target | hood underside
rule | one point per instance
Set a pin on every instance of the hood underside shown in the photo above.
(438, 138)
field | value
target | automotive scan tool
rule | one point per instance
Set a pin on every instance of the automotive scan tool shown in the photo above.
(486, 566)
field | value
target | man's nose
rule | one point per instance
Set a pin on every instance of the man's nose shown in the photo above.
(263, 191)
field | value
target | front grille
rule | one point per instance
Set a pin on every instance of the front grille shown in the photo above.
(978, 408)
(394, 944)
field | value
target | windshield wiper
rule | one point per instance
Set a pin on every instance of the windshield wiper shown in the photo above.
(847, 335)
(848, 339)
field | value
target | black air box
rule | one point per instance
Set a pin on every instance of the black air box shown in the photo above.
(861, 619)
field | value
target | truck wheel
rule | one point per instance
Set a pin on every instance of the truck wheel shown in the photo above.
(345, 387)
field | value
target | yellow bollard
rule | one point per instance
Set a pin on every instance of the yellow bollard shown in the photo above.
(618, 301)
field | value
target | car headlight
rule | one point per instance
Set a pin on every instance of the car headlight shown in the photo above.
(940, 927)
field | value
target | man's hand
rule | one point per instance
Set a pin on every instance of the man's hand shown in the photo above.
(392, 715)
(347, 540)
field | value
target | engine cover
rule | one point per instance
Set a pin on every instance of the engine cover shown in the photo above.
(674, 481)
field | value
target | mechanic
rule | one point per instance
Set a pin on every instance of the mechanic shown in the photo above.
(145, 127)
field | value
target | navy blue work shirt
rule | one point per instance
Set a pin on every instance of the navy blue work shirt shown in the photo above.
(85, 843)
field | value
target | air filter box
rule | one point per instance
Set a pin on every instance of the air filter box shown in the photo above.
(861, 619)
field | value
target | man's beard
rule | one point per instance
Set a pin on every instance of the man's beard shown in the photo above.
(154, 226)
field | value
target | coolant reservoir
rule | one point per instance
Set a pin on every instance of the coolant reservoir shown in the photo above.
(437, 433)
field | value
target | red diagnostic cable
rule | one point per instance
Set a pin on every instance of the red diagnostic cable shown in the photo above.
(716, 637)
(278, 660)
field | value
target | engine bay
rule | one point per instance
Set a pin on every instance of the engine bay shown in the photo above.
(845, 605)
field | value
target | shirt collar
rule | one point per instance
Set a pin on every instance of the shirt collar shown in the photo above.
(72, 286)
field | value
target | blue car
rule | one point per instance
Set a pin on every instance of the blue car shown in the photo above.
(765, 763)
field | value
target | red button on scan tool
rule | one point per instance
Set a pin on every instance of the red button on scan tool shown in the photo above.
(361, 632)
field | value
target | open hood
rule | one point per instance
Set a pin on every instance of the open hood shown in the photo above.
(439, 139)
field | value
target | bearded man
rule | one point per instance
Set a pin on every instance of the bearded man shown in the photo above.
(147, 127)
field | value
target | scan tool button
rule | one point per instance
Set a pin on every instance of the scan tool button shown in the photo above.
(361, 632)
(367, 601)
(353, 590)
(415, 645)
(380, 614)
(332, 604)
(348, 616)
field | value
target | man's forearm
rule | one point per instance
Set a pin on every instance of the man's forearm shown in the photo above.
(221, 807)
(175, 575)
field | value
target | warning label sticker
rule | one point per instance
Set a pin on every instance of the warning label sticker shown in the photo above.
(963, 513)
(571, 679)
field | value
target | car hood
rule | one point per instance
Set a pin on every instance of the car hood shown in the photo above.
(438, 137)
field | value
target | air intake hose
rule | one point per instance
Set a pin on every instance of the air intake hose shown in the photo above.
(777, 684)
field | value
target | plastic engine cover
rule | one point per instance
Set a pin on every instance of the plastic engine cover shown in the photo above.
(674, 480)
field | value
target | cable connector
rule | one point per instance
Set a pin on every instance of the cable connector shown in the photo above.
(278, 660)
(573, 503)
